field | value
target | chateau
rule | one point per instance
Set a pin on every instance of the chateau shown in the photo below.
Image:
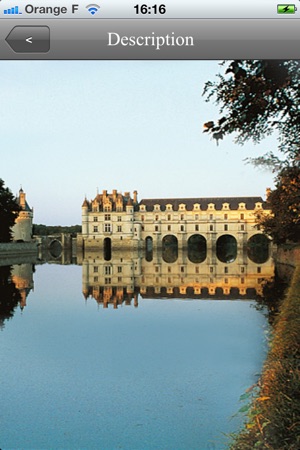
(22, 230)
(121, 221)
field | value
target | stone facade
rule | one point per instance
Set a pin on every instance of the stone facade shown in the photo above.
(127, 223)
(22, 230)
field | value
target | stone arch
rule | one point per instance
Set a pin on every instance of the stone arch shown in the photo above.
(107, 249)
(149, 248)
(197, 248)
(226, 248)
(258, 248)
(169, 248)
(55, 248)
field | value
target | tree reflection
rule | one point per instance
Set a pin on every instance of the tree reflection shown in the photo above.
(9, 295)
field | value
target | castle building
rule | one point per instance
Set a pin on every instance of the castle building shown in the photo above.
(119, 221)
(22, 229)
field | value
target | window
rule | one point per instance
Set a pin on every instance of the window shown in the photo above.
(196, 216)
(225, 227)
(156, 269)
(156, 217)
(142, 218)
(95, 229)
(181, 216)
(119, 218)
(259, 270)
(181, 227)
(119, 228)
(169, 269)
(196, 227)
(211, 228)
(169, 217)
(107, 280)
(242, 216)
(95, 268)
(196, 269)
(96, 279)
(182, 269)
(211, 269)
(156, 228)
(225, 216)
(242, 269)
(225, 269)
(95, 219)
(242, 227)
(107, 270)
(107, 208)
(119, 279)
(107, 217)
(107, 227)
(211, 216)
(119, 269)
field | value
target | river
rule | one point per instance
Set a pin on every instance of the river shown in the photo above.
(85, 364)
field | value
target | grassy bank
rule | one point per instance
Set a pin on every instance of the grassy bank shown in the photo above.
(274, 415)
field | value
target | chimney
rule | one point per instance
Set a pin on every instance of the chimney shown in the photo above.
(114, 192)
(268, 192)
(135, 196)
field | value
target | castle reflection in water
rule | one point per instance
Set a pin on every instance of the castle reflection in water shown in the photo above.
(168, 274)
(123, 277)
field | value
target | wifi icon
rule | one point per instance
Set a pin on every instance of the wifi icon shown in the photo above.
(93, 8)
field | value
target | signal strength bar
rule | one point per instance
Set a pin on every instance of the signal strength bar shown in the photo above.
(14, 10)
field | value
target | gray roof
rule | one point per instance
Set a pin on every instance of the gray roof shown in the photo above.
(203, 201)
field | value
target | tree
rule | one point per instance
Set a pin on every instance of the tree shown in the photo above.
(9, 210)
(257, 97)
(284, 201)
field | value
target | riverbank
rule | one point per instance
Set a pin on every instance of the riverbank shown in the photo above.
(274, 415)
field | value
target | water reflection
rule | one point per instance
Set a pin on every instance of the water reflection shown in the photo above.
(129, 274)
(15, 284)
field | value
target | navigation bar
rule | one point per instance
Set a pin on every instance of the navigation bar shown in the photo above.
(155, 39)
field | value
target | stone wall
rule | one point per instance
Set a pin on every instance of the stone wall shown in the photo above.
(17, 249)
(287, 257)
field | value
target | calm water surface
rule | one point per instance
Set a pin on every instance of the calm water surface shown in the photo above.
(165, 375)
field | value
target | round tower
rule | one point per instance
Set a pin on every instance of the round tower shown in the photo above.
(85, 218)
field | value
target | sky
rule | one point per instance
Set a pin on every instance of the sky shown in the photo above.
(69, 128)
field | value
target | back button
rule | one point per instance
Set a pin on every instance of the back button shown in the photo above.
(26, 39)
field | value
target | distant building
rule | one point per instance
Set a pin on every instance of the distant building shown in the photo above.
(22, 230)
(119, 220)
